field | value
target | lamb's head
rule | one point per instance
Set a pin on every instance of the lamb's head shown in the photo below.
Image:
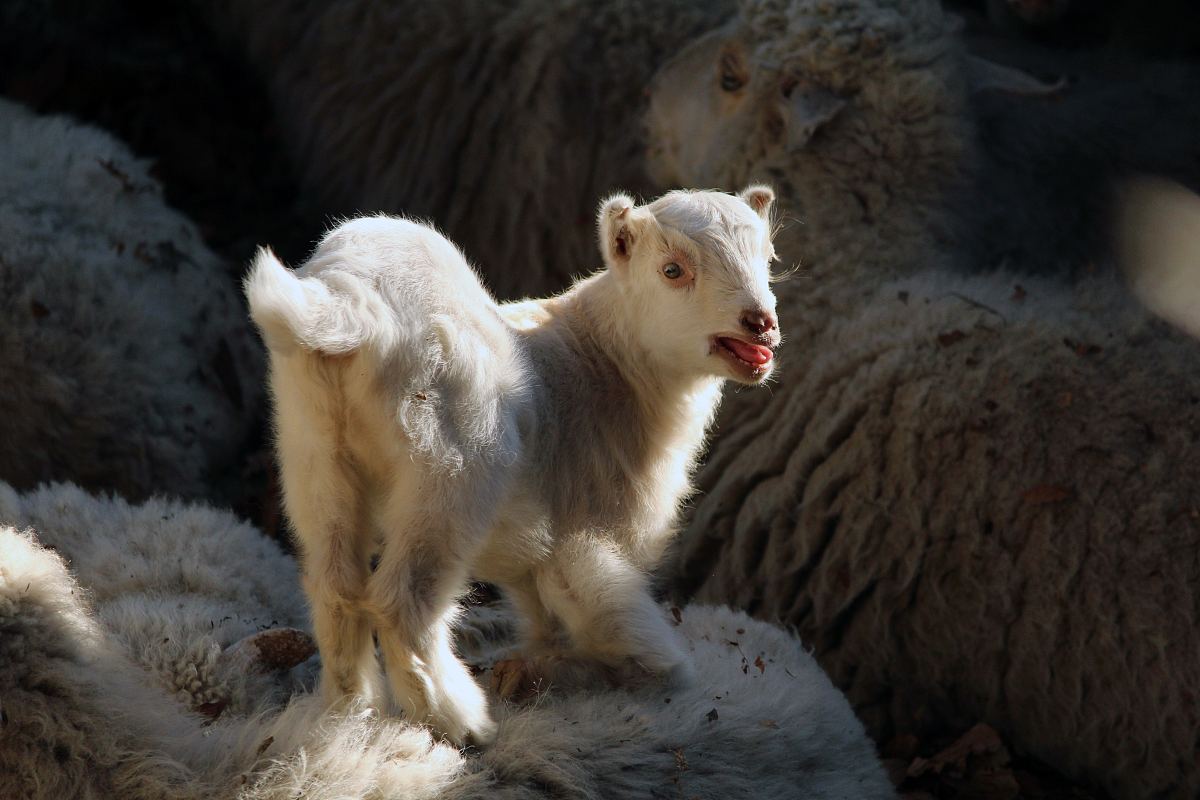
(694, 274)
(834, 101)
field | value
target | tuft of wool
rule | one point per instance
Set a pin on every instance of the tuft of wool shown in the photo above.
(91, 588)
(127, 358)
(176, 584)
(858, 39)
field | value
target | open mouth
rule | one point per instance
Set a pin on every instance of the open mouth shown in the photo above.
(749, 361)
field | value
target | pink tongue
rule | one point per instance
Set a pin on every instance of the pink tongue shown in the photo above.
(754, 353)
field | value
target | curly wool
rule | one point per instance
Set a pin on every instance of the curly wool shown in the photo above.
(971, 496)
(82, 677)
(859, 39)
(176, 584)
(127, 359)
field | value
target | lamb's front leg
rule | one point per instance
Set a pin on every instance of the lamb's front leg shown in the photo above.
(617, 631)
(413, 597)
(518, 675)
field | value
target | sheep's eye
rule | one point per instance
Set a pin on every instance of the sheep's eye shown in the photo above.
(731, 76)
(673, 271)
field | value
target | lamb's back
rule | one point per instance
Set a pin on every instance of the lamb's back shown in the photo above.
(446, 362)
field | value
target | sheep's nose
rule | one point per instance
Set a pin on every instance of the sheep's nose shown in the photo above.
(758, 321)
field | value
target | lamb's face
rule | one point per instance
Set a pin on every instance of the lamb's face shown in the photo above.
(695, 269)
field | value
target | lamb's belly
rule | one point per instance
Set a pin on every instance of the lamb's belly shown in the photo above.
(520, 539)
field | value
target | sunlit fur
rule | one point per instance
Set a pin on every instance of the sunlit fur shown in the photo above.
(544, 446)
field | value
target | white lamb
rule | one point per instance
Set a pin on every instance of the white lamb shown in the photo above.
(544, 446)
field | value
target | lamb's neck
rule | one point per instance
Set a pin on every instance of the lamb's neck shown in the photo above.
(677, 407)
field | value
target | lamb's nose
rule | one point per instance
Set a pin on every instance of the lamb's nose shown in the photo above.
(758, 321)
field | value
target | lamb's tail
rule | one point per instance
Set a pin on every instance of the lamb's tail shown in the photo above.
(1159, 234)
(291, 311)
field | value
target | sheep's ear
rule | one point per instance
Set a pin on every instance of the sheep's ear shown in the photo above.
(805, 111)
(988, 76)
(272, 650)
(760, 198)
(618, 230)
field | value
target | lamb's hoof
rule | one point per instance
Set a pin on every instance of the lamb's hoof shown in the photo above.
(478, 732)
(482, 736)
(460, 712)
(345, 698)
(518, 679)
(463, 726)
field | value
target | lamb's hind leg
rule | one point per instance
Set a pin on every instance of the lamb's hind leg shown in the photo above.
(326, 512)
(431, 537)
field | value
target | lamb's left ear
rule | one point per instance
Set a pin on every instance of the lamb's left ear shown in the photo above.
(619, 223)
(760, 198)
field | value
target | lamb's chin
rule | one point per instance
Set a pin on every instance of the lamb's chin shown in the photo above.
(743, 371)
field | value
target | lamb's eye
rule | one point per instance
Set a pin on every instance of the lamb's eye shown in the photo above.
(730, 82)
(673, 271)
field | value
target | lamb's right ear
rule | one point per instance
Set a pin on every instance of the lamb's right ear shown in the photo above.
(760, 197)
(618, 230)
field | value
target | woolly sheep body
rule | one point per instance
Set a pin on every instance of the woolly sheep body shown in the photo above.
(781, 732)
(478, 116)
(127, 361)
(549, 457)
(977, 516)
(968, 492)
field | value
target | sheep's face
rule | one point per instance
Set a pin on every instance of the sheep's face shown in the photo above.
(694, 268)
(798, 89)
(698, 125)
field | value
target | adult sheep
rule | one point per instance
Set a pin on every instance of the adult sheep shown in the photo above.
(160, 594)
(482, 117)
(126, 355)
(893, 141)
(973, 494)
